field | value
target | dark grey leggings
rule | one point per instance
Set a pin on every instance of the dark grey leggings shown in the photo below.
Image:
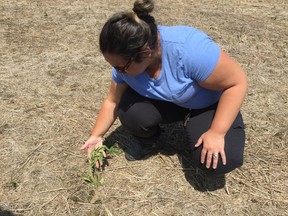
(142, 116)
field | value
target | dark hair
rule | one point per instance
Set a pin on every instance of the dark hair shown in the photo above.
(127, 33)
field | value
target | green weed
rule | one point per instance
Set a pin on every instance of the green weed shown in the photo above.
(97, 163)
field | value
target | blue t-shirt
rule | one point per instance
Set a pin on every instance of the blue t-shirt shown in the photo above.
(188, 57)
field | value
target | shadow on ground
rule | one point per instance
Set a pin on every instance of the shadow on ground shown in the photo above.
(197, 178)
(6, 212)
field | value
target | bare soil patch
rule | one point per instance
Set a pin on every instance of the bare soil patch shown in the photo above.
(52, 82)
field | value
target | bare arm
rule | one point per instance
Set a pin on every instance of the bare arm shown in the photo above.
(229, 77)
(106, 116)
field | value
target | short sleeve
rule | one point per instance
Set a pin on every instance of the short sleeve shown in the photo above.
(201, 56)
(116, 77)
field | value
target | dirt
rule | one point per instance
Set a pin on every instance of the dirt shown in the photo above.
(53, 79)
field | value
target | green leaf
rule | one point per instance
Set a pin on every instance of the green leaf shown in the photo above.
(100, 157)
(87, 178)
(101, 148)
(95, 174)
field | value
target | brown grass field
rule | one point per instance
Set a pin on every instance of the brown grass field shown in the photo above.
(52, 82)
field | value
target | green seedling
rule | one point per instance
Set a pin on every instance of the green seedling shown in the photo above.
(97, 162)
(13, 184)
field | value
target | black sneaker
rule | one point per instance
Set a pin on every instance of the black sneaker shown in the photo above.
(139, 151)
(143, 148)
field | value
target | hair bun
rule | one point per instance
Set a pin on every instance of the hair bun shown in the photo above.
(143, 7)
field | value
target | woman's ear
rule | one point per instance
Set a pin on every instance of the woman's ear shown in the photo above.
(147, 52)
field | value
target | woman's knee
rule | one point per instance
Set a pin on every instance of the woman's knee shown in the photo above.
(234, 158)
(232, 162)
(234, 148)
(138, 123)
(138, 115)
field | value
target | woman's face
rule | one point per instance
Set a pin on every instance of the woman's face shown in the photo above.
(129, 66)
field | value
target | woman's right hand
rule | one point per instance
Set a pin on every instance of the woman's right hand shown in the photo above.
(92, 143)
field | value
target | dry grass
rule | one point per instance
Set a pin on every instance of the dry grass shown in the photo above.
(52, 82)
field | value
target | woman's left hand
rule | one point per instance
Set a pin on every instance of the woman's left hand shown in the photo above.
(213, 145)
